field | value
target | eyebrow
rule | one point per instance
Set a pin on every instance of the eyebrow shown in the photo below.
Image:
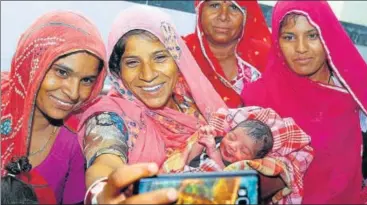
(288, 32)
(312, 30)
(64, 67)
(160, 51)
(135, 56)
(69, 70)
(132, 56)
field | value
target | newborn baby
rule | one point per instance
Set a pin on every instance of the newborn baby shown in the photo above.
(250, 139)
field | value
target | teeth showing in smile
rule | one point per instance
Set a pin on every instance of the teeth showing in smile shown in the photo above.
(153, 88)
(62, 102)
(65, 103)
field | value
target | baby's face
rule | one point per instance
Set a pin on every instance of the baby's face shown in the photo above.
(237, 146)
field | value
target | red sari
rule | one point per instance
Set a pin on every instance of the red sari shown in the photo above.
(252, 50)
(329, 114)
(49, 37)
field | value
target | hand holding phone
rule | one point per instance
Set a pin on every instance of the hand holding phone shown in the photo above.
(240, 187)
(120, 181)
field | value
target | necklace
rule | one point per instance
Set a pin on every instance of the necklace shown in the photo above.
(45, 145)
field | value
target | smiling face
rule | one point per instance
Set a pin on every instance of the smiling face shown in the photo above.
(67, 83)
(301, 46)
(237, 145)
(148, 71)
(222, 21)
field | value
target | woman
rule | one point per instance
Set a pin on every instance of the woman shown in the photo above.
(58, 67)
(316, 76)
(156, 104)
(230, 44)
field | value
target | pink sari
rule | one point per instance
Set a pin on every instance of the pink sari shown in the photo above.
(328, 114)
(156, 131)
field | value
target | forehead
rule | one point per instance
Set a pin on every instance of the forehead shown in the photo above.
(296, 22)
(241, 133)
(80, 62)
(244, 139)
(218, 1)
(140, 45)
(221, 2)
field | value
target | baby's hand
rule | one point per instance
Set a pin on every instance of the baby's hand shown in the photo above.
(208, 131)
(206, 138)
(208, 142)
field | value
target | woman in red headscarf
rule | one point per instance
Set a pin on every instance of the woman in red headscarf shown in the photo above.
(57, 68)
(230, 44)
(317, 76)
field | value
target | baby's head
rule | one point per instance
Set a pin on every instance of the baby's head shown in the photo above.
(250, 139)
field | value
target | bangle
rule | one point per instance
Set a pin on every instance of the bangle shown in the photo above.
(94, 190)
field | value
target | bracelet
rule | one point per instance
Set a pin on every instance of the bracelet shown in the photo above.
(94, 190)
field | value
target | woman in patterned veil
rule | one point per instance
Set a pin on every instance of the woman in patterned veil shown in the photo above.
(57, 68)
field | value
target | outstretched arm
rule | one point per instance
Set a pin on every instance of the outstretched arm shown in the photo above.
(105, 148)
(105, 145)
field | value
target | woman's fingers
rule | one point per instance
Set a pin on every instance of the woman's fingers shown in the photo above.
(126, 176)
(163, 196)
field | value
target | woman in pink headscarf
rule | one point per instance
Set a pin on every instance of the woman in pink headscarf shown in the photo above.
(159, 99)
(57, 68)
(316, 76)
(155, 105)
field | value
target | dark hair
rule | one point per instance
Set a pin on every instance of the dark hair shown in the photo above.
(291, 17)
(119, 49)
(13, 190)
(259, 132)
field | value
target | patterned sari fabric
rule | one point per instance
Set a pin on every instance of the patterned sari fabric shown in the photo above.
(151, 134)
(49, 37)
(290, 156)
(329, 114)
(251, 52)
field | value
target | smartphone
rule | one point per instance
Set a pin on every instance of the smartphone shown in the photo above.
(237, 187)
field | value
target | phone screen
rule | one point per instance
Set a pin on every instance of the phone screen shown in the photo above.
(207, 188)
